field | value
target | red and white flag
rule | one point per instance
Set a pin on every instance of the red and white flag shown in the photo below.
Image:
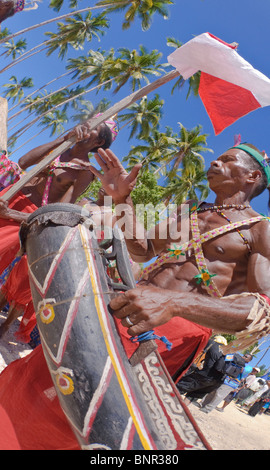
(229, 86)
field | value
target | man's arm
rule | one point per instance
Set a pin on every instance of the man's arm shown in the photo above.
(119, 184)
(148, 307)
(35, 155)
(258, 273)
(7, 213)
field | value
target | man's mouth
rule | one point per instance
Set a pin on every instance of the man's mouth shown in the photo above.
(212, 171)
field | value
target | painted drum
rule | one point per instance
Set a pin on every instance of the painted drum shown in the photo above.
(109, 403)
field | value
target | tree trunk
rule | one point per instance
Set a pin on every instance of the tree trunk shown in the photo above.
(3, 123)
(92, 124)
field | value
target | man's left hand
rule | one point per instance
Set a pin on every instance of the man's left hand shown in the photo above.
(146, 307)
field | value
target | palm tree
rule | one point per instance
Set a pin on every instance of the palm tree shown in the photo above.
(13, 49)
(190, 144)
(15, 89)
(98, 66)
(191, 184)
(143, 116)
(57, 4)
(137, 66)
(157, 146)
(52, 20)
(144, 9)
(76, 31)
(55, 120)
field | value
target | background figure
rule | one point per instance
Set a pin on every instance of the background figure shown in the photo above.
(245, 391)
(258, 405)
(242, 391)
(258, 388)
(198, 382)
(212, 399)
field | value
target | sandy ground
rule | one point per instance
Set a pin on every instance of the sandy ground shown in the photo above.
(232, 430)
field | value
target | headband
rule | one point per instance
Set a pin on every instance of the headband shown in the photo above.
(258, 157)
(19, 5)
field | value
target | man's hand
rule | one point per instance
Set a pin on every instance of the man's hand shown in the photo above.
(3, 209)
(80, 132)
(115, 180)
(7, 213)
(146, 307)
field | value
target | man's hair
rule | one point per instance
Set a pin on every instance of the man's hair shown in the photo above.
(253, 165)
(106, 135)
(11, 10)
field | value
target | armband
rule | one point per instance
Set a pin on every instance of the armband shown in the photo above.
(259, 326)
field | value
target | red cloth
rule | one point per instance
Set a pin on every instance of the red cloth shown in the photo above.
(31, 417)
(266, 298)
(186, 338)
(9, 229)
(30, 414)
(17, 288)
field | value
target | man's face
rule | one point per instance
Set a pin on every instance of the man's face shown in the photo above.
(247, 358)
(228, 168)
(93, 140)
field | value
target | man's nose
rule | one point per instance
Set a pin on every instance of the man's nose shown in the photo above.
(216, 163)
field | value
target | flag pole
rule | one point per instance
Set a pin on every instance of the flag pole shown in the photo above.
(91, 124)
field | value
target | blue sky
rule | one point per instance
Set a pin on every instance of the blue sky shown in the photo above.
(243, 21)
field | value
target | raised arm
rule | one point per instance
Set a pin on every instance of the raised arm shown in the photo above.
(35, 155)
(118, 184)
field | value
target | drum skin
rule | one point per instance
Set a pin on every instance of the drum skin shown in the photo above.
(108, 403)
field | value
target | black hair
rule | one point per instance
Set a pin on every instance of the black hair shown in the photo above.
(106, 135)
(253, 165)
(11, 9)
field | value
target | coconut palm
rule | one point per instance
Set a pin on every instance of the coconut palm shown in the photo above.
(57, 4)
(189, 144)
(98, 66)
(143, 9)
(15, 89)
(76, 31)
(143, 116)
(190, 184)
(44, 23)
(55, 121)
(156, 147)
(13, 49)
(137, 66)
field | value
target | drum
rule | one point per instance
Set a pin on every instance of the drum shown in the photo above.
(109, 403)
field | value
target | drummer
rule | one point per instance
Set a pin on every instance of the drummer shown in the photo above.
(216, 280)
(63, 181)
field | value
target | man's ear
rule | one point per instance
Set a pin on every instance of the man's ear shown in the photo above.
(254, 176)
(101, 142)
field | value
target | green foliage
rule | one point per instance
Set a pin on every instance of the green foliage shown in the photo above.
(57, 4)
(142, 9)
(75, 31)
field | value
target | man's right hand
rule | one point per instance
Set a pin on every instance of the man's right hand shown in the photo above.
(116, 181)
(3, 208)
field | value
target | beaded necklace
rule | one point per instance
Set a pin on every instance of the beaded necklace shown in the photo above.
(196, 244)
(218, 210)
(239, 207)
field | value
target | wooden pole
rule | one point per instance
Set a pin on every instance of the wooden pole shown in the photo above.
(91, 124)
(3, 123)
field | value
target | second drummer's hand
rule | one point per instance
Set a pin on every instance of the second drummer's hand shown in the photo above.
(116, 181)
(146, 307)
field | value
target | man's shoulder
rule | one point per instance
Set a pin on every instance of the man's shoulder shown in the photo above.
(261, 235)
